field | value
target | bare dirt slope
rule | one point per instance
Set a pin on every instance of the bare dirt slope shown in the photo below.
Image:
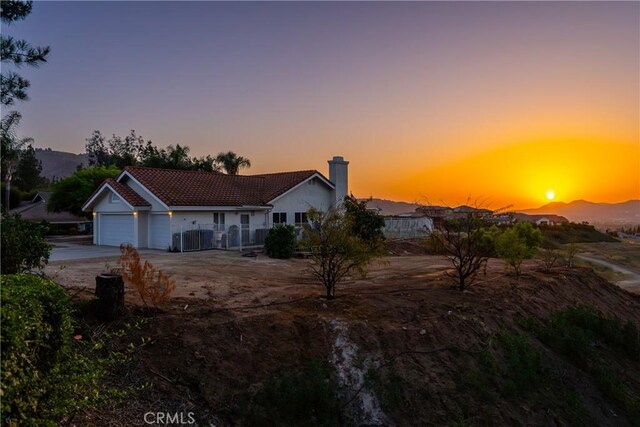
(407, 348)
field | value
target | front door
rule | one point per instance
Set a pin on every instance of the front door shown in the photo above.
(244, 229)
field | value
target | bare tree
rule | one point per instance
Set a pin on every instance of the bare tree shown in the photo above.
(466, 243)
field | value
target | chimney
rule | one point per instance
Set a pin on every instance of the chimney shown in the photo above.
(339, 175)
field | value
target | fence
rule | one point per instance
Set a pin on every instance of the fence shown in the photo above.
(200, 237)
(400, 228)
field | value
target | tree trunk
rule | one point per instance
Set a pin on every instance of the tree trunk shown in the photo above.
(109, 304)
(7, 191)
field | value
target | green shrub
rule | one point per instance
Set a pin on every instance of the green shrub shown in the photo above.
(46, 374)
(23, 245)
(36, 344)
(280, 241)
(305, 398)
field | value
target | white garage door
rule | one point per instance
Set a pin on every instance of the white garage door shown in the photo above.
(116, 229)
(159, 231)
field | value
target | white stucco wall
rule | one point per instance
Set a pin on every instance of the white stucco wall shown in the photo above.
(317, 195)
(105, 205)
(143, 229)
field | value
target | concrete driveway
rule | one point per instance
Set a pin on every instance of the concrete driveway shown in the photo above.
(72, 251)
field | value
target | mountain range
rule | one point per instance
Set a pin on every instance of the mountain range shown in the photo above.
(604, 214)
(58, 164)
(596, 213)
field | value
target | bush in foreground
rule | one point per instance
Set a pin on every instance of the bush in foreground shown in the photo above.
(23, 245)
(280, 241)
(47, 376)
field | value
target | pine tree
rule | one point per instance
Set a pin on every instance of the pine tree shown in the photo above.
(16, 53)
(27, 176)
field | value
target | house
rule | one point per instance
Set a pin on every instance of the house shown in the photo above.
(36, 211)
(408, 224)
(190, 210)
(548, 219)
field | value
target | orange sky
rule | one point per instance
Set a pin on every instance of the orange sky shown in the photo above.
(427, 100)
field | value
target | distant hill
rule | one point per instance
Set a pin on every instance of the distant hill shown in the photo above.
(390, 207)
(58, 164)
(596, 213)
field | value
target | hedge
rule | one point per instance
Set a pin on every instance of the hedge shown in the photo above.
(36, 347)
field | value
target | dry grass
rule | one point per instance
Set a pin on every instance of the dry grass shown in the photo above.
(152, 285)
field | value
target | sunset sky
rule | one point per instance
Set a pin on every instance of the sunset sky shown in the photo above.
(428, 101)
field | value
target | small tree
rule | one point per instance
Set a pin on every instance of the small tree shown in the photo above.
(335, 250)
(365, 223)
(280, 241)
(517, 244)
(571, 251)
(549, 256)
(467, 245)
(23, 245)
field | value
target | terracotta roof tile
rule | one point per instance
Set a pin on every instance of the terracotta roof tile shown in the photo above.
(197, 188)
(133, 198)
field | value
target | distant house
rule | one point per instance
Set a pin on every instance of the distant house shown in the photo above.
(541, 219)
(408, 224)
(36, 211)
(190, 210)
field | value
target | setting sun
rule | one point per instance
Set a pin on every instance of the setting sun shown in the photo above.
(551, 194)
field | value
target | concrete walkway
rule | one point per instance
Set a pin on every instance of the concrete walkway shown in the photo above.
(71, 251)
(633, 280)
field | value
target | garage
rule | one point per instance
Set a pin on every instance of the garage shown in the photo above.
(159, 232)
(116, 229)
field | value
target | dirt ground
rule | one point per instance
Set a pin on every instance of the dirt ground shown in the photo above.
(235, 321)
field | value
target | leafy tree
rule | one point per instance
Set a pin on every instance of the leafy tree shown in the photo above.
(280, 241)
(335, 250)
(27, 175)
(12, 146)
(70, 193)
(17, 53)
(23, 245)
(466, 243)
(366, 224)
(518, 243)
(116, 151)
(232, 163)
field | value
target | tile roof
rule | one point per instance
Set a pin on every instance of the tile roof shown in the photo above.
(198, 188)
(38, 212)
(133, 198)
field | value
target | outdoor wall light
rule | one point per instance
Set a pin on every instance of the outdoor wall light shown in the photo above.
(170, 214)
(135, 213)
(95, 214)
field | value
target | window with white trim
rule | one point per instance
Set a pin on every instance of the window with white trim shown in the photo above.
(218, 220)
(279, 218)
(114, 198)
(300, 219)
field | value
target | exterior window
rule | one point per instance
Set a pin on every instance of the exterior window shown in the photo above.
(279, 218)
(301, 219)
(218, 221)
(114, 198)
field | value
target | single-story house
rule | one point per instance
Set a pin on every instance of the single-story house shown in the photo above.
(547, 219)
(168, 209)
(35, 210)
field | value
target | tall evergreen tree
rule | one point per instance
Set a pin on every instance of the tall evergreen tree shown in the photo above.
(17, 53)
(27, 175)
